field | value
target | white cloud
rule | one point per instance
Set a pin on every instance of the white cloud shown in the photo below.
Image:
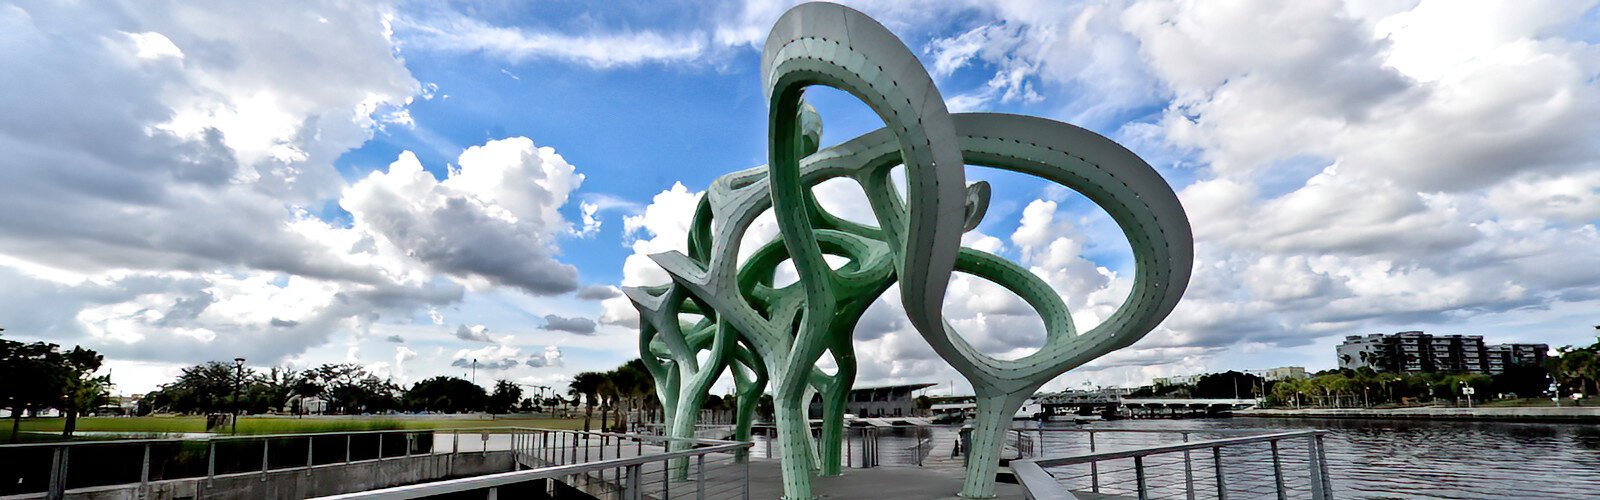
(494, 219)
(454, 33)
(474, 333)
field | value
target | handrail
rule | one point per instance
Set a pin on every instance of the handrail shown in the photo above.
(241, 437)
(514, 477)
(1040, 484)
(1153, 450)
(254, 437)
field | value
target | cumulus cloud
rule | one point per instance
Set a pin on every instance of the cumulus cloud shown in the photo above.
(550, 358)
(495, 218)
(501, 357)
(474, 333)
(580, 326)
(598, 292)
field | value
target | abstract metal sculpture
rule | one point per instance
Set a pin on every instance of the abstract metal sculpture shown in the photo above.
(768, 334)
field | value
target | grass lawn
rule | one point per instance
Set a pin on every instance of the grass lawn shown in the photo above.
(287, 425)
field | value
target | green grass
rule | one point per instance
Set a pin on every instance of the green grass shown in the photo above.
(280, 425)
(1521, 403)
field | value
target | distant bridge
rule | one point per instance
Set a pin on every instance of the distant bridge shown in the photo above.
(1085, 403)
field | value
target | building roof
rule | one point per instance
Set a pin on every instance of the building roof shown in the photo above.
(909, 387)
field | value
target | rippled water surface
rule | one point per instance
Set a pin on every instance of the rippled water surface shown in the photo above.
(1427, 459)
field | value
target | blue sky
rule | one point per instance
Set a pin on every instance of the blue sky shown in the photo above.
(410, 186)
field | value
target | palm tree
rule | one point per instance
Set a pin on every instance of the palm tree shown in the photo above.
(608, 397)
(633, 386)
(587, 386)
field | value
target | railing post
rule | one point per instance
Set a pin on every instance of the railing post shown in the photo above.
(1322, 464)
(144, 474)
(494, 493)
(700, 478)
(211, 461)
(1188, 471)
(1317, 493)
(586, 448)
(1138, 477)
(1094, 467)
(745, 483)
(1222, 484)
(310, 442)
(1277, 472)
(348, 440)
(58, 473)
(264, 457)
(918, 437)
(411, 442)
(380, 446)
(630, 489)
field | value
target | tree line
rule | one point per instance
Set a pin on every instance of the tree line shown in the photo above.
(39, 376)
(1574, 370)
(340, 388)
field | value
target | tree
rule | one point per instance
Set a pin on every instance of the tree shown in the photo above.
(202, 388)
(37, 363)
(505, 396)
(446, 395)
(587, 386)
(1577, 368)
(78, 386)
(1229, 384)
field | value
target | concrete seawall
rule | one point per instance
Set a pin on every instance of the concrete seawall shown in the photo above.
(1587, 414)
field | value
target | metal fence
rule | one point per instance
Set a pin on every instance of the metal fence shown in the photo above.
(54, 468)
(1277, 465)
(601, 465)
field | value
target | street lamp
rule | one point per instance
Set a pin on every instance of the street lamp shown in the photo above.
(1555, 391)
(238, 368)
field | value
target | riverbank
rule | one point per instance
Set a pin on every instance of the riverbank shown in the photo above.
(1566, 414)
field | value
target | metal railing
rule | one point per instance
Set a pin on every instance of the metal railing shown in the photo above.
(602, 465)
(57, 467)
(866, 447)
(1277, 465)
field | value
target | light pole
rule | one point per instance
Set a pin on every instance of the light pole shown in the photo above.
(1555, 391)
(238, 380)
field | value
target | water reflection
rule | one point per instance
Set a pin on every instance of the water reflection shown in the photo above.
(1430, 459)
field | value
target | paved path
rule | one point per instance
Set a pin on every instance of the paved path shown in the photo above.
(872, 484)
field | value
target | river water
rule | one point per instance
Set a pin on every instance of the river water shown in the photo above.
(1431, 459)
(1407, 459)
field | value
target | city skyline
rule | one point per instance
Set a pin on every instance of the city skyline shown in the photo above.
(418, 186)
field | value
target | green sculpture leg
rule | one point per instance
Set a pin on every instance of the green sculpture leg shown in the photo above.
(748, 387)
(793, 433)
(994, 417)
(832, 442)
(813, 458)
